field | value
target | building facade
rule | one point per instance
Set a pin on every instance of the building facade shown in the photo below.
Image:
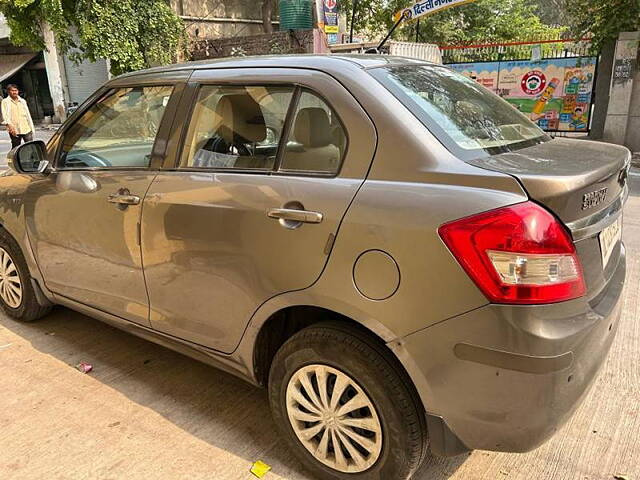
(49, 82)
(52, 82)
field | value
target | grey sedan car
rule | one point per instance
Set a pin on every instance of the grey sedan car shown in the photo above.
(402, 258)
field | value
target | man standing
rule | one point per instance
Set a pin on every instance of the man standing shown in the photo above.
(16, 116)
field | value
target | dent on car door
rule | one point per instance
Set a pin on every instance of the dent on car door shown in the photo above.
(265, 176)
(82, 219)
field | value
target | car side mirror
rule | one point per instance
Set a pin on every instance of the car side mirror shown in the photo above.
(29, 158)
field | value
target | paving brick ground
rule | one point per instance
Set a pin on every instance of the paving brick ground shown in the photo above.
(148, 413)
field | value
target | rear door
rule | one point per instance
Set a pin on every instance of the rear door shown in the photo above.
(83, 218)
(269, 164)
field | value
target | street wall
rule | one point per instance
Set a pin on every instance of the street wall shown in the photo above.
(633, 129)
(622, 124)
(222, 18)
(300, 41)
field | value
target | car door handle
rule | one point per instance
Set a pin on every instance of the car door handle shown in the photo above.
(293, 215)
(124, 199)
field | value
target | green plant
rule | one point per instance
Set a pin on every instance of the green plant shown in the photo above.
(132, 34)
(482, 21)
(603, 21)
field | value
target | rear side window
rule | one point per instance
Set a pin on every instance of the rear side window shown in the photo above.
(118, 131)
(317, 140)
(236, 127)
(466, 117)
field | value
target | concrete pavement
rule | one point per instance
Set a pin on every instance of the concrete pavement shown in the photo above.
(148, 413)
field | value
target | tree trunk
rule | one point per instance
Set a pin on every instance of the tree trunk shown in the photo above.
(267, 10)
(601, 92)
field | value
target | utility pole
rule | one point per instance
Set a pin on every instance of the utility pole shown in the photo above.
(353, 17)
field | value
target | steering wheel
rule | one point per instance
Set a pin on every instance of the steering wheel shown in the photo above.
(84, 158)
(241, 148)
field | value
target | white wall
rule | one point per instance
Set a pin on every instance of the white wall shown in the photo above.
(4, 28)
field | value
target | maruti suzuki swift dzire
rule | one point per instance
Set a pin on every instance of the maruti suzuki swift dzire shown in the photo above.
(402, 258)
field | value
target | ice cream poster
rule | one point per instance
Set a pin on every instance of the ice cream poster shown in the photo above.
(554, 93)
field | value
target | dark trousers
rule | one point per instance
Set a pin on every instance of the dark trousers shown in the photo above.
(18, 139)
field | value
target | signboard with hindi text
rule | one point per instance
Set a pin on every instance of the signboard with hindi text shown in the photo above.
(427, 7)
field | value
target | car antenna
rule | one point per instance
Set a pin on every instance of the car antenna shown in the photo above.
(405, 15)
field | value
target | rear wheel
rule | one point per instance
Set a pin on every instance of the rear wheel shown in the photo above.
(17, 297)
(344, 406)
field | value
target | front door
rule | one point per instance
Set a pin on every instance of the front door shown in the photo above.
(83, 218)
(265, 176)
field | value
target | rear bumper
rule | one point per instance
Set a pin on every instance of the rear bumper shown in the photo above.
(506, 378)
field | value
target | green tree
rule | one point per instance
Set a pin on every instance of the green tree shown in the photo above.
(132, 34)
(553, 12)
(603, 21)
(482, 21)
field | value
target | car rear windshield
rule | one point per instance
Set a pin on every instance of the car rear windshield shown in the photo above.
(467, 118)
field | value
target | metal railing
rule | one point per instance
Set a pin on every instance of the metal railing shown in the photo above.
(517, 50)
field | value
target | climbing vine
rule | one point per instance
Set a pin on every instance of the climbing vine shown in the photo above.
(132, 34)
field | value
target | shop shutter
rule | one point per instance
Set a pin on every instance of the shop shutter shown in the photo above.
(85, 78)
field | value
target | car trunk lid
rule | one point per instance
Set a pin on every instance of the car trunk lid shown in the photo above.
(584, 184)
(567, 176)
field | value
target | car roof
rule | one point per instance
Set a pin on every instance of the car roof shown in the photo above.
(324, 62)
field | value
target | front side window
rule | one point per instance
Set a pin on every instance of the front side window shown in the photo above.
(118, 131)
(467, 118)
(236, 127)
(316, 140)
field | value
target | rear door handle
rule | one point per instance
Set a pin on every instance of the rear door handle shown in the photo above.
(293, 215)
(123, 198)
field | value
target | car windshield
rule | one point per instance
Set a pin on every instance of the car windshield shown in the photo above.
(467, 118)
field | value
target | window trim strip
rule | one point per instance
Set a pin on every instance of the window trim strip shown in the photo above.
(286, 131)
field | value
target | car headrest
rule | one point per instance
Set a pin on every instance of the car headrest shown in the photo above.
(241, 119)
(313, 128)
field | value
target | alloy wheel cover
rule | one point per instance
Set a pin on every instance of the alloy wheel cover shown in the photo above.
(10, 283)
(334, 418)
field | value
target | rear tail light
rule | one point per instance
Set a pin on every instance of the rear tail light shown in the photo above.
(519, 254)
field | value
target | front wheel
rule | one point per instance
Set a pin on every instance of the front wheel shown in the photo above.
(17, 297)
(345, 407)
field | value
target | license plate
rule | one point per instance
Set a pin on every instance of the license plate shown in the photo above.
(609, 238)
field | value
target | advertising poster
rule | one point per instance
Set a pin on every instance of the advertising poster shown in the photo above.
(554, 93)
(332, 38)
(330, 10)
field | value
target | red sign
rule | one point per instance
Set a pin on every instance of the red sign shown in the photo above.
(331, 4)
(533, 82)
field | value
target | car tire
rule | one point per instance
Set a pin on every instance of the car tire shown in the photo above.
(17, 296)
(334, 354)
